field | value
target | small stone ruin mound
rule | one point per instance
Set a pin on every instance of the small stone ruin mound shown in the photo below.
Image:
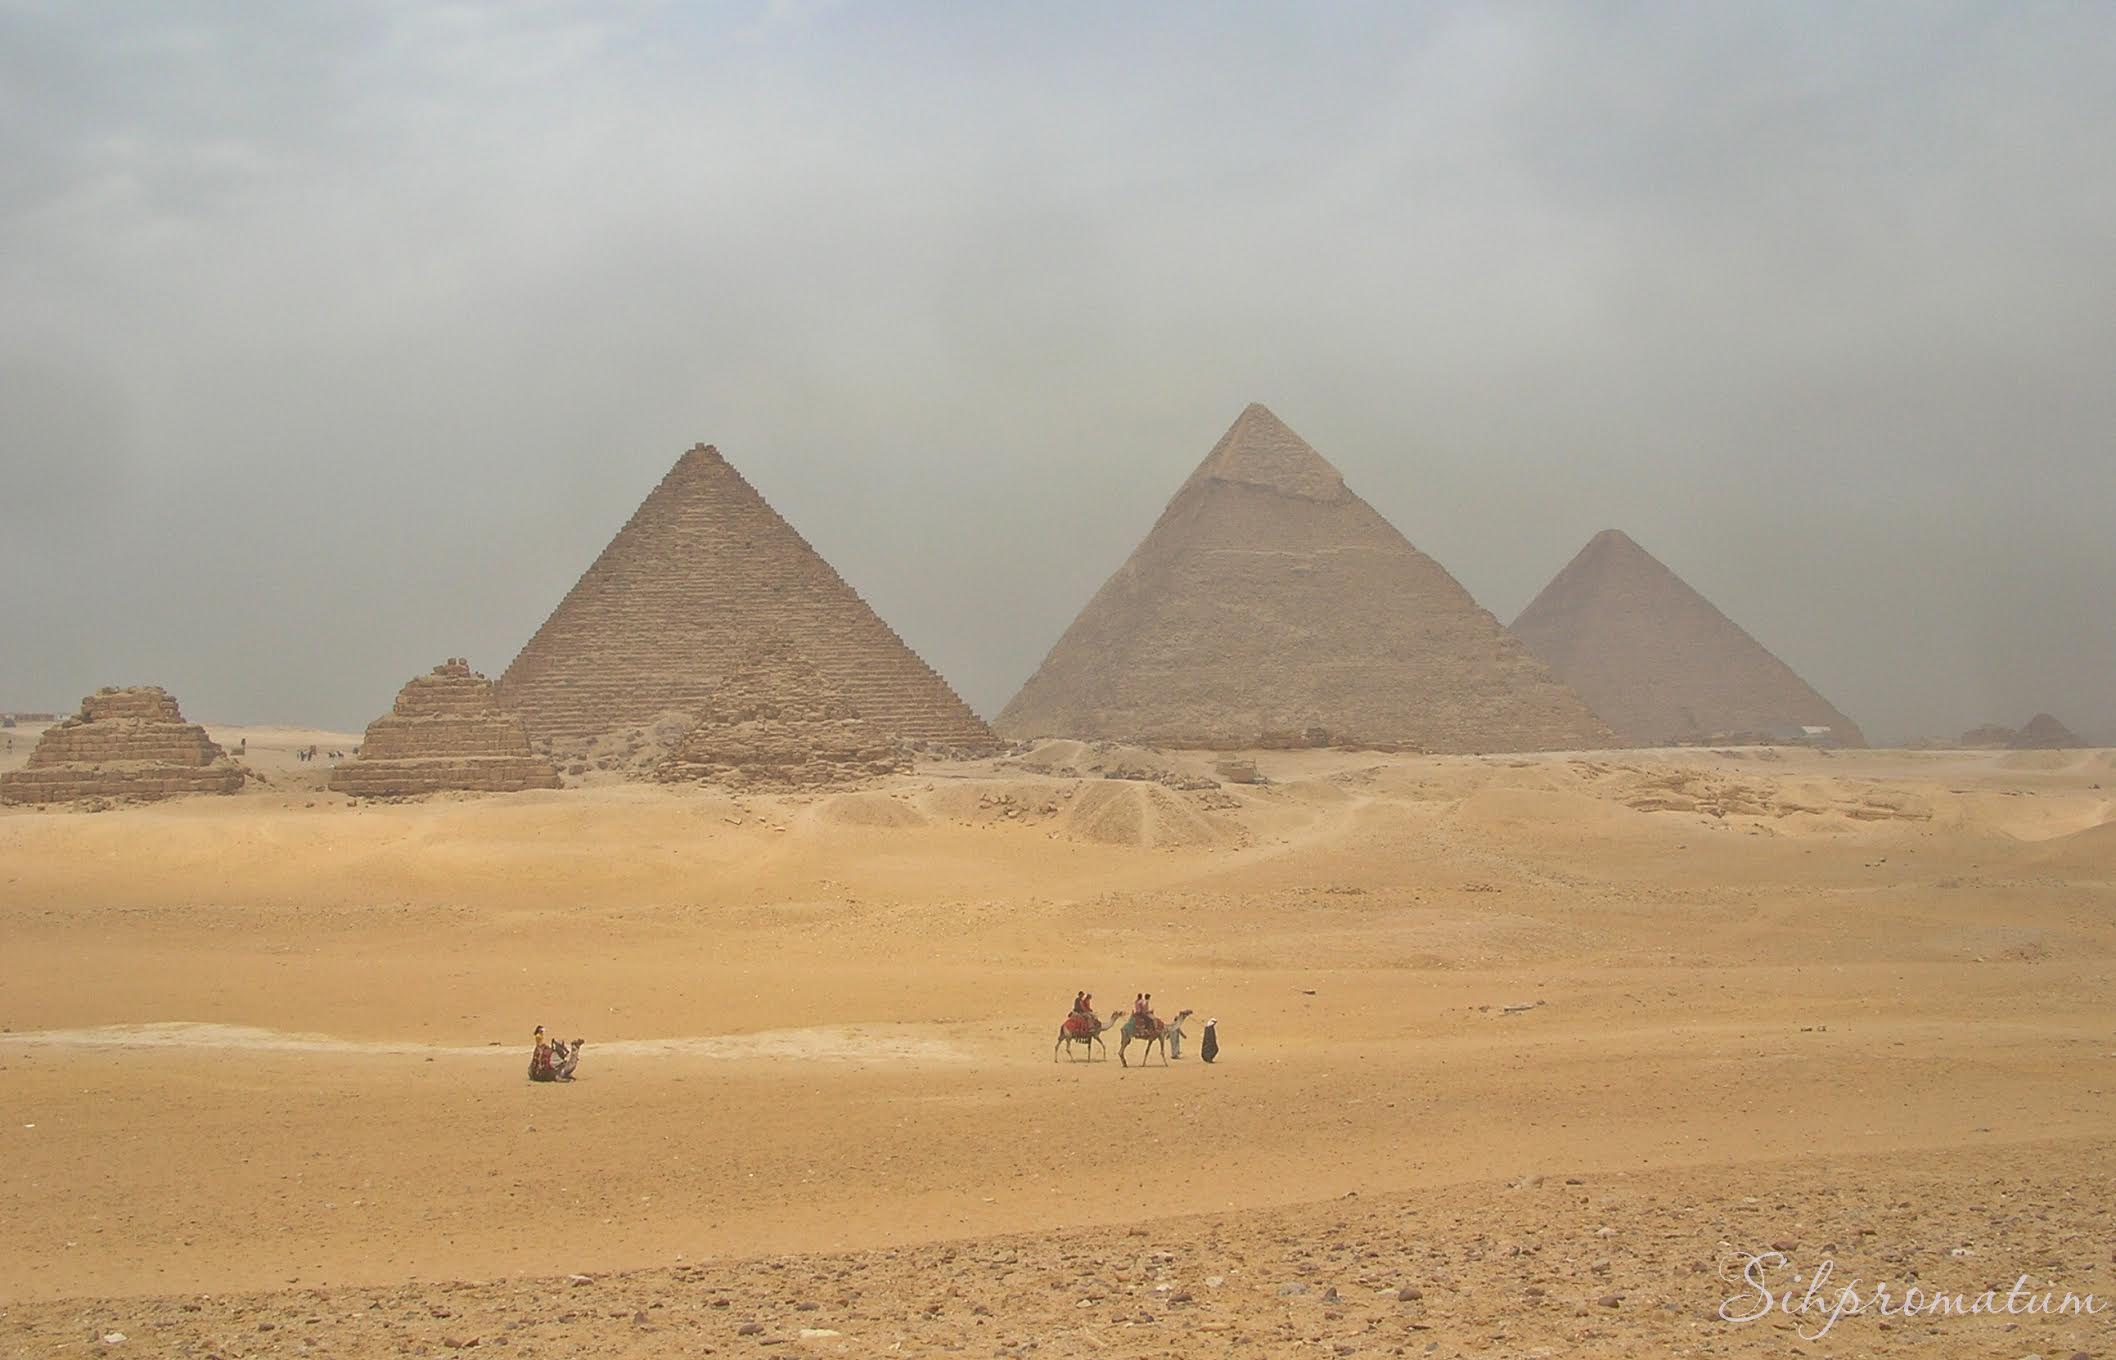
(130, 743)
(445, 733)
(2044, 733)
(780, 725)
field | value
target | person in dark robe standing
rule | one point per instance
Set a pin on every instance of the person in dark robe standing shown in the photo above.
(1211, 1048)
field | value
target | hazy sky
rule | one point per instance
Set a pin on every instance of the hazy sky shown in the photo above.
(336, 339)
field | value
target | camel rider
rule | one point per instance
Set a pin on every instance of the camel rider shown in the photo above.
(540, 1064)
(1079, 1002)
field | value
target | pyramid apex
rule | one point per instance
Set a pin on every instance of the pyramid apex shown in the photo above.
(1614, 540)
(1261, 450)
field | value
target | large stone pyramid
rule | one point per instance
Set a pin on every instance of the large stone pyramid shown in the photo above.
(445, 732)
(779, 724)
(1658, 662)
(124, 743)
(662, 618)
(1271, 606)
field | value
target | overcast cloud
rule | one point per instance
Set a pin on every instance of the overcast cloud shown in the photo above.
(336, 339)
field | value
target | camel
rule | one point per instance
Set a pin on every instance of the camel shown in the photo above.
(556, 1063)
(1151, 1032)
(1084, 1029)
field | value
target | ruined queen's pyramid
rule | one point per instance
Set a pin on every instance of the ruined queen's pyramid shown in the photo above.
(1657, 661)
(444, 733)
(664, 617)
(129, 742)
(1271, 606)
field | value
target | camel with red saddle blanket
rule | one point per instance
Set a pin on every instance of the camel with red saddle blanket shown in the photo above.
(1084, 1027)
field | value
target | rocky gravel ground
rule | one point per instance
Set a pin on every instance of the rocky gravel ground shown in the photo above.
(1546, 1264)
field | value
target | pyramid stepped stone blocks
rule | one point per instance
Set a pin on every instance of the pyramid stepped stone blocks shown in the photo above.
(1658, 662)
(2044, 733)
(779, 724)
(445, 732)
(1270, 606)
(128, 743)
(663, 617)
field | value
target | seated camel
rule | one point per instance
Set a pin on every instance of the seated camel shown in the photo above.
(555, 1061)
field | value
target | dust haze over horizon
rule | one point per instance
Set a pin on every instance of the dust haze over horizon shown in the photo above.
(338, 340)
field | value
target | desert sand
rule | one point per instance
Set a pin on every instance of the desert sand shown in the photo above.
(1522, 1055)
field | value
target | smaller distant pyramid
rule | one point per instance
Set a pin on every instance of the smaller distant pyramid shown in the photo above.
(2044, 733)
(1988, 735)
(1657, 662)
(780, 724)
(446, 732)
(130, 743)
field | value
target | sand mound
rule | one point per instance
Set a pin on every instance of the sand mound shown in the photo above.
(877, 810)
(2093, 849)
(992, 802)
(1126, 812)
(1060, 754)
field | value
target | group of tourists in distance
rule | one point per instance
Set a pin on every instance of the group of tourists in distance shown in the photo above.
(1083, 1026)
